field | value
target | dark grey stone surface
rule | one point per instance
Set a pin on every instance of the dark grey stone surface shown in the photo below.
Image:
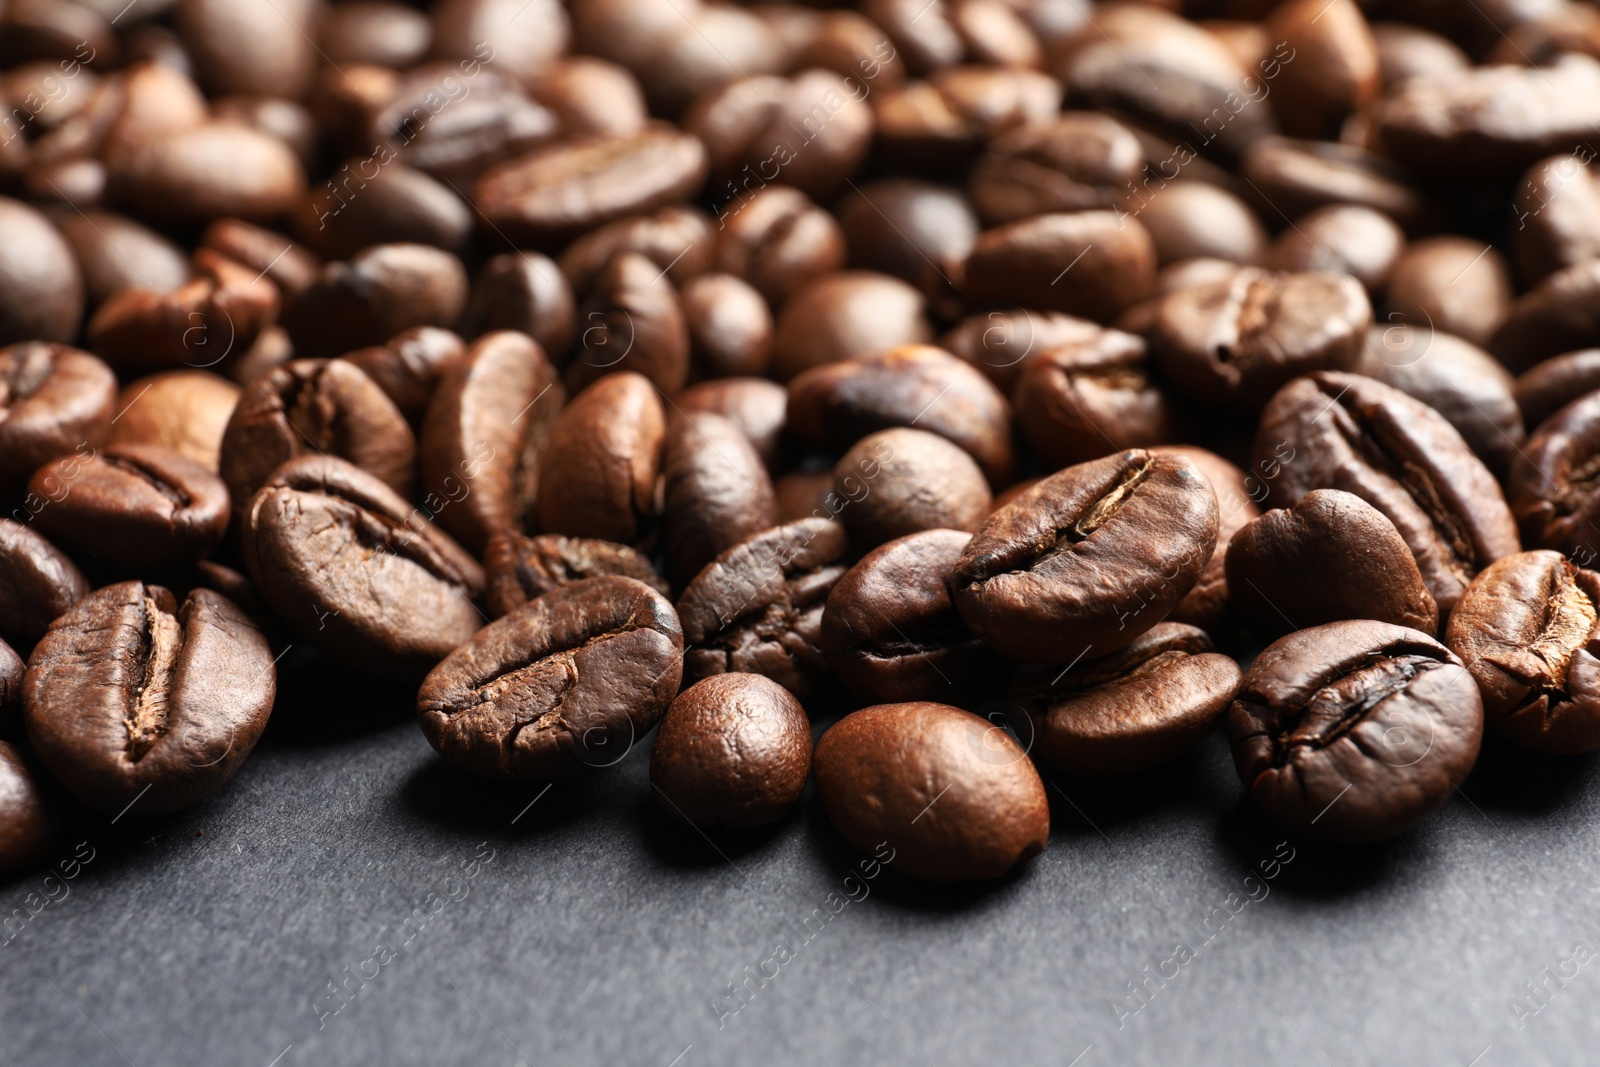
(591, 931)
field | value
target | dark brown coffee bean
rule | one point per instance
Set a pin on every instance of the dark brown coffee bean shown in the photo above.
(733, 751)
(30, 824)
(949, 795)
(1551, 485)
(716, 491)
(1088, 559)
(382, 291)
(597, 473)
(755, 405)
(553, 195)
(1293, 178)
(943, 34)
(730, 326)
(566, 683)
(757, 608)
(364, 204)
(630, 320)
(287, 264)
(1460, 381)
(117, 253)
(521, 568)
(888, 480)
(1000, 343)
(522, 291)
(527, 36)
(677, 239)
(48, 29)
(1084, 400)
(54, 400)
(326, 407)
(410, 366)
(590, 96)
(454, 121)
(1526, 629)
(834, 405)
(1354, 731)
(38, 582)
(843, 316)
(194, 175)
(1345, 431)
(891, 633)
(914, 230)
(1075, 161)
(480, 445)
(251, 46)
(1345, 239)
(1557, 215)
(272, 349)
(1547, 387)
(41, 285)
(381, 32)
(1238, 494)
(804, 495)
(1189, 219)
(1451, 284)
(1332, 556)
(1088, 263)
(273, 115)
(776, 239)
(1548, 33)
(1232, 344)
(1135, 709)
(1405, 51)
(852, 44)
(11, 668)
(133, 697)
(1334, 72)
(946, 122)
(351, 566)
(1562, 314)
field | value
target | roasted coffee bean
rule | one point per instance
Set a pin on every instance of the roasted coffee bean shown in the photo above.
(914, 230)
(382, 32)
(132, 508)
(273, 115)
(757, 608)
(730, 326)
(30, 824)
(734, 751)
(1526, 629)
(1460, 381)
(776, 239)
(1000, 343)
(272, 350)
(41, 285)
(1192, 219)
(891, 633)
(716, 491)
(1231, 344)
(194, 175)
(519, 568)
(363, 205)
(1405, 51)
(1104, 262)
(132, 697)
(944, 34)
(1293, 178)
(945, 122)
(1088, 559)
(350, 565)
(38, 582)
(677, 239)
(522, 291)
(834, 405)
(1345, 239)
(327, 407)
(597, 472)
(251, 46)
(1547, 387)
(631, 321)
(1552, 482)
(590, 96)
(287, 264)
(117, 253)
(1335, 65)
(900, 481)
(563, 684)
(1561, 315)
(528, 36)
(1075, 161)
(481, 441)
(382, 291)
(850, 43)
(551, 196)
(1142, 706)
(184, 410)
(54, 401)
(755, 405)
(489, 120)
(1345, 431)
(1084, 400)
(11, 668)
(950, 795)
(804, 494)
(1452, 284)
(1557, 212)
(1332, 556)
(845, 315)
(410, 366)
(1207, 605)
(1354, 731)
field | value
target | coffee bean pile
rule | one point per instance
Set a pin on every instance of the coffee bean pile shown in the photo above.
(1107, 371)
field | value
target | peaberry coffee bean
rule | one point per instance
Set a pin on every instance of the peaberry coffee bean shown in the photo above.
(1079, 401)
(1561, 314)
(677, 239)
(184, 410)
(846, 315)
(38, 583)
(1089, 263)
(631, 320)
(519, 568)
(54, 400)
(1551, 485)
(1075, 161)
(757, 608)
(598, 469)
(134, 697)
(40, 280)
(1345, 431)
(899, 481)
(952, 796)
(915, 230)
(30, 825)
(776, 239)
(734, 751)
(1000, 343)
(730, 326)
(1345, 239)
(1526, 629)
(379, 292)
(1206, 605)
(891, 633)
(716, 491)
(349, 564)
(1547, 387)
(1354, 731)
(481, 440)
(526, 292)
(1089, 558)
(566, 683)
(409, 367)
(1140, 707)
(1332, 556)
(1452, 284)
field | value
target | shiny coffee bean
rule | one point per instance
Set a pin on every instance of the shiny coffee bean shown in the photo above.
(1332, 556)
(1191, 219)
(776, 239)
(184, 410)
(631, 320)
(597, 472)
(410, 366)
(250, 47)
(287, 264)
(1551, 486)
(1405, 51)
(566, 683)
(11, 668)
(1207, 604)
(1088, 263)
(519, 568)
(381, 291)
(133, 697)
(844, 316)
(1557, 215)
(730, 326)
(1138, 708)
(1075, 161)
(194, 175)
(932, 791)
(1526, 629)
(1354, 731)
(677, 239)
(489, 121)
(944, 34)
(1081, 401)
(1295, 177)
(1345, 431)
(1452, 284)
(41, 284)
(590, 96)
(1547, 387)
(1562, 314)
(1089, 558)
(888, 479)
(54, 401)
(915, 230)
(1334, 72)
(945, 122)
(755, 405)
(117, 253)
(1345, 239)
(30, 823)
(38, 583)
(362, 205)
(716, 491)
(733, 751)
(526, 292)
(1000, 343)
(382, 32)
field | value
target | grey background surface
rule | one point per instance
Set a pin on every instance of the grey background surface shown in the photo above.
(592, 931)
